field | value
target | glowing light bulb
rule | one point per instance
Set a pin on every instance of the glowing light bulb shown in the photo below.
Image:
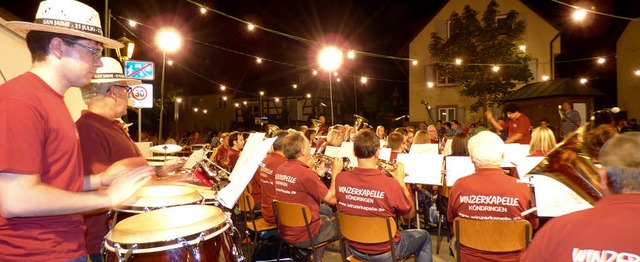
(458, 61)
(545, 78)
(250, 26)
(414, 62)
(601, 60)
(258, 60)
(132, 23)
(583, 80)
(222, 87)
(429, 84)
(308, 95)
(579, 14)
(522, 47)
(495, 68)
(203, 10)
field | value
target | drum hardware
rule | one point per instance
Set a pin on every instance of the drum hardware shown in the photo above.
(165, 149)
(126, 256)
(186, 246)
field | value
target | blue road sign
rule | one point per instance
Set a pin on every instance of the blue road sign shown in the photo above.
(142, 70)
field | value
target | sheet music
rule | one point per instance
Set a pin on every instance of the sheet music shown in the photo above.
(244, 172)
(458, 167)
(346, 150)
(385, 153)
(554, 198)
(514, 153)
(422, 168)
(431, 149)
(383, 143)
(332, 151)
(526, 164)
(447, 147)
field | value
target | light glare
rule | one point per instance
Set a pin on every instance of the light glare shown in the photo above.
(601, 60)
(308, 95)
(414, 62)
(330, 58)
(637, 72)
(179, 100)
(429, 84)
(169, 40)
(458, 61)
(579, 14)
(363, 79)
(522, 47)
(495, 68)
(203, 10)
(250, 26)
(351, 55)
(222, 87)
(545, 78)
(132, 23)
(169, 62)
(583, 80)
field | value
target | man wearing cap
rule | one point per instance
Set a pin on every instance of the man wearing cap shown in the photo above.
(103, 138)
(608, 231)
(41, 172)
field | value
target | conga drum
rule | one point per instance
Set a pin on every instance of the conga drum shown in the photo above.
(182, 233)
(154, 197)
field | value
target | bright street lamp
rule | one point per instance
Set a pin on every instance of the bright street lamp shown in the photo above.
(330, 59)
(169, 41)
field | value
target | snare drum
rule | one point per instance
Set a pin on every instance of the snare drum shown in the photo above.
(154, 197)
(183, 233)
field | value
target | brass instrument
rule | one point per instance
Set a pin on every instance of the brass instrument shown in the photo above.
(320, 159)
(271, 130)
(567, 164)
(360, 123)
(317, 124)
(387, 167)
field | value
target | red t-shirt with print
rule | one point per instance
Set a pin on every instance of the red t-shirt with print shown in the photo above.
(267, 179)
(606, 232)
(369, 192)
(520, 125)
(296, 183)
(489, 194)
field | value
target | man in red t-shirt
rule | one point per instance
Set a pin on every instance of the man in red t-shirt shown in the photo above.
(41, 173)
(236, 143)
(266, 176)
(518, 125)
(395, 141)
(475, 196)
(366, 191)
(295, 182)
(608, 231)
(103, 139)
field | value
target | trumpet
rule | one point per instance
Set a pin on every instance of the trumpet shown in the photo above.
(387, 167)
(319, 159)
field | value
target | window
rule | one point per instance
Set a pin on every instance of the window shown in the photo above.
(222, 104)
(446, 114)
(451, 28)
(445, 80)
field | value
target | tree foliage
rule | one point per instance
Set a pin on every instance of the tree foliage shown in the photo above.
(481, 44)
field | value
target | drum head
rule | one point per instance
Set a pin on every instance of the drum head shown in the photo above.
(159, 196)
(166, 224)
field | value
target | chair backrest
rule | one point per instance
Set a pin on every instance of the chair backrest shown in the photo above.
(246, 202)
(291, 214)
(369, 230)
(493, 235)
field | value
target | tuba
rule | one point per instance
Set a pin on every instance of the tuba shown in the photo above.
(567, 164)
(360, 123)
(271, 130)
(387, 167)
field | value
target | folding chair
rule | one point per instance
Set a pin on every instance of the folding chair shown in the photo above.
(368, 230)
(492, 235)
(295, 215)
(257, 225)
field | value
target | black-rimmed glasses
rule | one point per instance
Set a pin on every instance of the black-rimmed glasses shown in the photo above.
(96, 53)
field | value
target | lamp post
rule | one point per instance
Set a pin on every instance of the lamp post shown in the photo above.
(330, 59)
(169, 41)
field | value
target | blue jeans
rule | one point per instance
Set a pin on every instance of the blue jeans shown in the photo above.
(80, 259)
(412, 241)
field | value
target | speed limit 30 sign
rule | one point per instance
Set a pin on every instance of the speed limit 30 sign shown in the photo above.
(142, 95)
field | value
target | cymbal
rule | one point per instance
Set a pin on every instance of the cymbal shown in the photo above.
(165, 149)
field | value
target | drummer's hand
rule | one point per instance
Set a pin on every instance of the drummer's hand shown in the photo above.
(128, 182)
(337, 166)
(116, 168)
(399, 174)
(164, 171)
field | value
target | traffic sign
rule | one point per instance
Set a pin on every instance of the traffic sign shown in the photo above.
(142, 95)
(142, 70)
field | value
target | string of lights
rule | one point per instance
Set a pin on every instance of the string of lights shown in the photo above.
(595, 12)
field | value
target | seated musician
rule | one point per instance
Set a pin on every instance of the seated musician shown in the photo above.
(295, 182)
(267, 176)
(606, 232)
(542, 141)
(221, 153)
(395, 141)
(389, 198)
(472, 196)
(236, 143)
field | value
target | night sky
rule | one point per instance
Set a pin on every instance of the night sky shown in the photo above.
(382, 27)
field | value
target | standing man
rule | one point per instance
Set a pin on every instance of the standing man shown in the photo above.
(267, 176)
(236, 143)
(41, 172)
(606, 232)
(295, 182)
(518, 126)
(570, 119)
(103, 138)
(472, 196)
(366, 191)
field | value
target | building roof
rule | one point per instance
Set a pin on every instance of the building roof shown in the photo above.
(558, 87)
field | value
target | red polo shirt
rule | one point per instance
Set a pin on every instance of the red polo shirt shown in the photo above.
(606, 232)
(369, 192)
(267, 180)
(296, 183)
(520, 125)
(488, 194)
(233, 156)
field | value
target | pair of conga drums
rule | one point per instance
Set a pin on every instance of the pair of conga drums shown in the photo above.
(169, 223)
